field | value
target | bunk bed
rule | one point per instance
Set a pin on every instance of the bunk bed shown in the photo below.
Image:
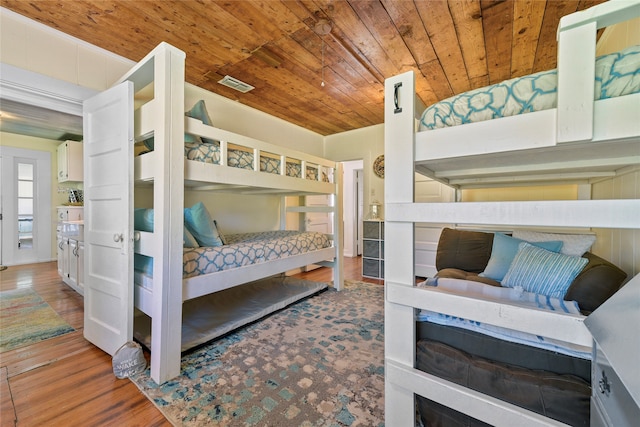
(171, 158)
(579, 141)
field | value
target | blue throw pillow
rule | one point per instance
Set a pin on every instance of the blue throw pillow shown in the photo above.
(543, 272)
(199, 111)
(143, 219)
(503, 252)
(200, 224)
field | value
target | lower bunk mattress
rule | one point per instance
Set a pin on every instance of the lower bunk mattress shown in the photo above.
(239, 250)
(550, 383)
(214, 315)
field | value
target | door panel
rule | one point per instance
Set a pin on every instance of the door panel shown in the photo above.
(108, 217)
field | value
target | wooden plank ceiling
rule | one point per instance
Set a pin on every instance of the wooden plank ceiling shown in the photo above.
(453, 46)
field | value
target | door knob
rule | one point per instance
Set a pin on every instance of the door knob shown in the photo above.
(118, 237)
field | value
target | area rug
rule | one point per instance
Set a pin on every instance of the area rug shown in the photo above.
(25, 318)
(319, 362)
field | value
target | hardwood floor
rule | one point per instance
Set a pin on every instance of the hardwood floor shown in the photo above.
(66, 380)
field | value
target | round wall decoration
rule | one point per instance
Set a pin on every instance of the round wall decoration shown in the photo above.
(378, 166)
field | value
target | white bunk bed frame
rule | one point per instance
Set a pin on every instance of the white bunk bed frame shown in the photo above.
(162, 115)
(534, 147)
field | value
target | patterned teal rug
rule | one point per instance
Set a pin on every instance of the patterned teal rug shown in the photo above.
(25, 318)
(319, 362)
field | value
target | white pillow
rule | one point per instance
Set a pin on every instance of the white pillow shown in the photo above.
(572, 244)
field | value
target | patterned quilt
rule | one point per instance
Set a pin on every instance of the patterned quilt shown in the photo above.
(617, 74)
(250, 248)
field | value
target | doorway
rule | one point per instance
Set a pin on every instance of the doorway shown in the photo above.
(353, 203)
(25, 203)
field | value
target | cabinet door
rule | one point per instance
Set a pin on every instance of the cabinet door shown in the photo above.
(73, 263)
(66, 256)
(80, 252)
(61, 151)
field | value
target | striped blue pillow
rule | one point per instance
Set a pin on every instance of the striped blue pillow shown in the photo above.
(542, 272)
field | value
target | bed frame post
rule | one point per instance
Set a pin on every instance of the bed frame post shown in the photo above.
(168, 195)
(399, 112)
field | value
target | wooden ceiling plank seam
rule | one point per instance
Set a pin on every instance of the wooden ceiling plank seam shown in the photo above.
(182, 35)
(254, 19)
(348, 95)
(546, 47)
(437, 80)
(527, 23)
(438, 22)
(497, 25)
(301, 9)
(225, 27)
(431, 82)
(408, 23)
(382, 29)
(374, 15)
(349, 31)
(278, 13)
(467, 19)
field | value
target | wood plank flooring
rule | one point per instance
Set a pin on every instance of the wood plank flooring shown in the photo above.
(67, 381)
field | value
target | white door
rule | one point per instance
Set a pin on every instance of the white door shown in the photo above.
(25, 198)
(108, 217)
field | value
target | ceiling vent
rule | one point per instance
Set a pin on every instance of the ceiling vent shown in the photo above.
(236, 84)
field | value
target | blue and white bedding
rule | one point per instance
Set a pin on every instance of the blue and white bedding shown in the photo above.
(507, 295)
(617, 74)
(239, 250)
(209, 152)
(250, 248)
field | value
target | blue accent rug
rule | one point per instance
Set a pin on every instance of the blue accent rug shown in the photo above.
(319, 362)
(25, 318)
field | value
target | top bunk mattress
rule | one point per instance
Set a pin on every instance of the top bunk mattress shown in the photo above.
(209, 152)
(616, 74)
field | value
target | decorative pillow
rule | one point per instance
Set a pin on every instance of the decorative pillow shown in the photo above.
(199, 111)
(222, 238)
(543, 272)
(200, 224)
(188, 240)
(143, 219)
(464, 250)
(503, 252)
(572, 244)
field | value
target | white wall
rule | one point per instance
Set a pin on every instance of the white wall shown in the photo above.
(29, 45)
(366, 144)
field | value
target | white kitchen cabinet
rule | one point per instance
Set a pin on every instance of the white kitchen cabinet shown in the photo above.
(70, 162)
(70, 213)
(70, 239)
